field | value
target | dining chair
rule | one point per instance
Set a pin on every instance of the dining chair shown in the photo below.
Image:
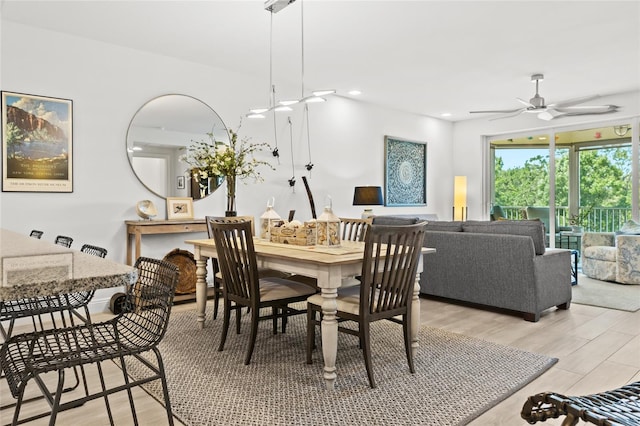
(137, 330)
(36, 234)
(354, 229)
(62, 240)
(390, 262)
(217, 276)
(243, 285)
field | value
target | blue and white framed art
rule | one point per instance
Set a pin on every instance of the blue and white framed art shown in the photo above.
(405, 172)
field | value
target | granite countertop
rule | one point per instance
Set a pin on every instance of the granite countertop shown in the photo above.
(31, 267)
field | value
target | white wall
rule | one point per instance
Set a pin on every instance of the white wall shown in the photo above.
(108, 84)
(468, 141)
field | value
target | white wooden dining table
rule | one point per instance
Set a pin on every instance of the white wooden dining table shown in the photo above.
(328, 265)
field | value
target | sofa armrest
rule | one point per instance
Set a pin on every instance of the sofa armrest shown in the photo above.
(628, 259)
(590, 239)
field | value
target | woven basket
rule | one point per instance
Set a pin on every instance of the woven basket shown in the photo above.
(186, 264)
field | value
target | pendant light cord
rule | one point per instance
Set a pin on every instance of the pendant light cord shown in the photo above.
(272, 90)
(292, 181)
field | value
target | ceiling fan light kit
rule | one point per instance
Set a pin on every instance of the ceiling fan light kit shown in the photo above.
(546, 112)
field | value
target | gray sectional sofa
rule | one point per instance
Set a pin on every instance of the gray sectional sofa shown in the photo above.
(501, 264)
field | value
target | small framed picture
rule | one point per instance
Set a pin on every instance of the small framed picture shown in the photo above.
(179, 208)
(180, 182)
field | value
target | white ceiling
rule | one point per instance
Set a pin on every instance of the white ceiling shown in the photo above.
(426, 57)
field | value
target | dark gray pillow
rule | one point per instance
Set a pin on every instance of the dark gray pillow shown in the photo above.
(444, 225)
(394, 220)
(530, 228)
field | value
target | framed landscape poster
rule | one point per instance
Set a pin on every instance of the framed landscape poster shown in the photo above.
(405, 172)
(37, 143)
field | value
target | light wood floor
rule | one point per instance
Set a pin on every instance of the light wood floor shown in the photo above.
(598, 349)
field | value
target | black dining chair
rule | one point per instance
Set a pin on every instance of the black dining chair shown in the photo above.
(137, 330)
(391, 256)
(243, 285)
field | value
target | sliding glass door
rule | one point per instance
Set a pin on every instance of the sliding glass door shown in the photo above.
(584, 180)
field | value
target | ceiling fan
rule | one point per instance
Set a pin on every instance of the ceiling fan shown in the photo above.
(551, 111)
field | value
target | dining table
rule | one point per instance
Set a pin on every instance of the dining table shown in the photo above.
(328, 265)
(30, 267)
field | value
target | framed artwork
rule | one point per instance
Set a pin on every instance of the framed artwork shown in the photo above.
(405, 172)
(37, 143)
(179, 208)
(180, 182)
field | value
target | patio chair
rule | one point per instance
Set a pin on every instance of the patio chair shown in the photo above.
(618, 407)
(137, 330)
(391, 257)
(242, 284)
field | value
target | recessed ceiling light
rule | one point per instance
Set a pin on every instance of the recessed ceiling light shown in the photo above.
(445, 114)
(355, 92)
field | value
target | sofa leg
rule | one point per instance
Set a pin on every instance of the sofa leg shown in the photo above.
(531, 317)
(564, 306)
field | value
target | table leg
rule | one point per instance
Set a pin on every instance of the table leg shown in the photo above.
(329, 335)
(201, 289)
(138, 243)
(415, 316)
(129, 254)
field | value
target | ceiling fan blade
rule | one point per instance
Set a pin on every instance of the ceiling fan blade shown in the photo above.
(575, 101)
(588, 109)
(550, 114)
(497, 111)
(520, 111)
(526, 103)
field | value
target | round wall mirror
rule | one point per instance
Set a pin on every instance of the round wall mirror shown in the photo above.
(159, 134)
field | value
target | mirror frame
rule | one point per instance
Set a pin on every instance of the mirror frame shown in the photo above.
(157, 124)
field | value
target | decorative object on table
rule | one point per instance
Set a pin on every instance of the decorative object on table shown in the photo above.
(47, 125)
(578, 220)
(367, 196)
(179, 208)
(310, 197)
(405, 172)
(328, 228)
(186, 264)
(146, 209)
(268, 219)
(460, 198)
(232, 161)
(295, 233)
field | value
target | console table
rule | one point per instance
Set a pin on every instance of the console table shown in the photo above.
(137, 228)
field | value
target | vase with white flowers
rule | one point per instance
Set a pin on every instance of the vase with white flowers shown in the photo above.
(232, 161)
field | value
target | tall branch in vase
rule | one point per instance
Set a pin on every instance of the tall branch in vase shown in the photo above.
(234, 161)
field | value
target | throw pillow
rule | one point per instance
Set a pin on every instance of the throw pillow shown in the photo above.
(629, 228)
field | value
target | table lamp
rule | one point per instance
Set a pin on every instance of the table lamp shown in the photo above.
(367, 196)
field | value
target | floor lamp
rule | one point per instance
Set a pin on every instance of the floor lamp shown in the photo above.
(460, 198)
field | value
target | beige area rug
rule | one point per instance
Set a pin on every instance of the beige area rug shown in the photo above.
(606, 294)
(458, 378)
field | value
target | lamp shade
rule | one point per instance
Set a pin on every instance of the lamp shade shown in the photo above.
(368, 196)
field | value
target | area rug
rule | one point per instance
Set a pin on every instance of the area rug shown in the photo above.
(457, 378)
(606, 294)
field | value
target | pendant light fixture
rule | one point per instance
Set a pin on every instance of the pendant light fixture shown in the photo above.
(274, 6)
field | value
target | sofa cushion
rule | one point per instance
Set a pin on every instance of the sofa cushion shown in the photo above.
(394, 220)
(444, 225)
(630, 227)
(530, 228)
(603, 253)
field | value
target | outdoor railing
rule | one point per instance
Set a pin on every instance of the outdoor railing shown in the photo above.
(598, 219)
